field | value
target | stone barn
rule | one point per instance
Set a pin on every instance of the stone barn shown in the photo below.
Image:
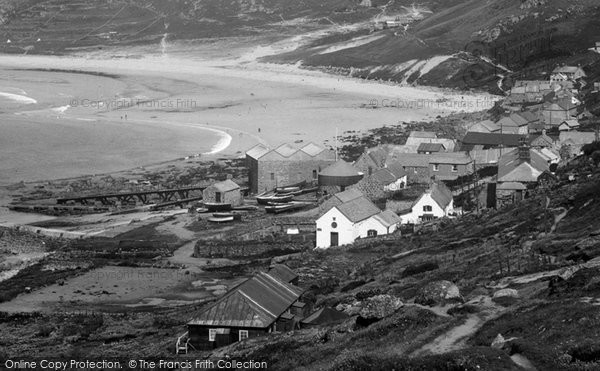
(286, 165)
(226, 192)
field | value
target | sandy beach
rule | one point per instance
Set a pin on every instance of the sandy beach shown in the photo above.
(69, 116)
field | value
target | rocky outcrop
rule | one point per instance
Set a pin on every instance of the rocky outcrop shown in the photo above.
(439, 293)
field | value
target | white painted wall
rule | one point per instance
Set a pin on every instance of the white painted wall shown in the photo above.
(397, 185)
(348, 232)
(345, 229)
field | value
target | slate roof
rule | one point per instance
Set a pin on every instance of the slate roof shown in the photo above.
(258, 151)
(283, 273)
(489, 125)
(358, 209)
(431, 147)
(513, 169)
(571, 123)
(440, 194)
(256, 303)
(396, 169)
(411, 160)
(226, 186)
(388, 218)
(384, 176)
(348, 195)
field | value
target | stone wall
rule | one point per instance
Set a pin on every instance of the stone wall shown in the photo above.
(280, 245)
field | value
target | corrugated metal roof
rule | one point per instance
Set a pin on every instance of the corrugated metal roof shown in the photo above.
(312, 149)
(257, 302)
(454, 158)
(283, 273)
(358, 209)
(258, 151)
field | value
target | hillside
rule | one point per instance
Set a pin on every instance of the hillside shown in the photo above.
(525, 272)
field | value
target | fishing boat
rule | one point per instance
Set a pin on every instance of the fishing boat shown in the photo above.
(214, 219)
(228, 215)
(245, 208)
(291, 187)
(217, 206)
(280, 208)
(277, 198)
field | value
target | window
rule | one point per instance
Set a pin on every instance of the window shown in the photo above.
(212, 334)
(371, 233)
(243, 335)
(427, 208)
(314, 174)
(272, 176)
(455, 168)
(436, 167)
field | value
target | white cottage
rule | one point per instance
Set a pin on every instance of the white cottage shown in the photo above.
(436, 202)
(359, 218)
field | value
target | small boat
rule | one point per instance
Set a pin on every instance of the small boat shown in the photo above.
(245, 208)
(287, 190)
(279, 198)
(221, 220)
(228, 215)
(280, 208)
(217, 206)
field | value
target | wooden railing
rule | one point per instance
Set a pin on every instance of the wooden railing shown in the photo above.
(182, 344)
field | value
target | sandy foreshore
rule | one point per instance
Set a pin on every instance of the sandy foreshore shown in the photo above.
(126, 112)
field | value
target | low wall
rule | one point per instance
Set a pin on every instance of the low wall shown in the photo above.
(278, 245)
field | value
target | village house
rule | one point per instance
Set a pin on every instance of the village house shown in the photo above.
(542, 140)
(557, 111)
(359, 218)
(449, 166)
(567, 73)
(486, 126)
(527, 92)
(260, 305)
(436, 202)
(515, 123)
(518, 173)
(226, 192)
(568, 125)
(416, 167)
(286, 165)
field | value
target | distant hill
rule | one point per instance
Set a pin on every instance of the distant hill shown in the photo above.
(450, 43)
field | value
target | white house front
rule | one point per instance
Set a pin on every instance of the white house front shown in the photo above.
(335, 229)
(425, 209)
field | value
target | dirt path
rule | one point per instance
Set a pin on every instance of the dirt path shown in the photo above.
(456, 337)
(558, 218)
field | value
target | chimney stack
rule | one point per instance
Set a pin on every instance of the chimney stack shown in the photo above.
(524, 154)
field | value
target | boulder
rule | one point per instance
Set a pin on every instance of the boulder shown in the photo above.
(498, 342)
(506, 293)
(380, 306)
(439, 293)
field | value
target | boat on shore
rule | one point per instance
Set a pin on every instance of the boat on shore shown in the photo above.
(235, 216)
(265, 199)
(280, 208)
(217, 206)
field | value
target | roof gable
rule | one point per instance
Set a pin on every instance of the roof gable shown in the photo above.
(286, 150)
(258, 151)
(257, 302)
(312, 149)
(358, 209)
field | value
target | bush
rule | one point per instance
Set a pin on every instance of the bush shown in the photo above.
(413, 269)
(44, 330)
